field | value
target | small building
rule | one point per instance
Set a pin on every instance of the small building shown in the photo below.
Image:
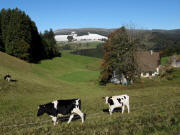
(148, 63)
(175, 61)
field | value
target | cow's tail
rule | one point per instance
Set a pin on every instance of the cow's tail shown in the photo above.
(79, 102)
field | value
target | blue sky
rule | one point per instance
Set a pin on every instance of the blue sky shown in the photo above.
(58, 14)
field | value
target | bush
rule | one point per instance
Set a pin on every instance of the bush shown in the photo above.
(166, 72)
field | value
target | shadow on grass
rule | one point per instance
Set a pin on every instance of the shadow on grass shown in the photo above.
(115, 110)
(66, 118)
(13, 80)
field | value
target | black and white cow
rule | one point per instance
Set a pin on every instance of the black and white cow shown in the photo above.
(117, 102)
(7, 77)
(59, 108)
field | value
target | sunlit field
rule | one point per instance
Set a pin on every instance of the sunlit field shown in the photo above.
(154, 103)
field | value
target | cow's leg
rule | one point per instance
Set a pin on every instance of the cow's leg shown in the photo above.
(70, 118)
(128, 107)
(78, 111)
(122, 109)
(110, 112)
(111, 108)
(54, 119)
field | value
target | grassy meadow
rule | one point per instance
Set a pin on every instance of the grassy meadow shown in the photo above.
(164, 59)
(74, 46)
(154, 104)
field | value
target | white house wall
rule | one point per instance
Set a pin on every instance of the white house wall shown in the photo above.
(148, 75)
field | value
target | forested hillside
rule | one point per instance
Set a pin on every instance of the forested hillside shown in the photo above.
(19, 37)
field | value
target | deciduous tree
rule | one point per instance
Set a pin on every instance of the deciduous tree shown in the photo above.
(119, 52)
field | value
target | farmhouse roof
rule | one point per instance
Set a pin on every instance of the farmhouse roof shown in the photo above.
(147, 61)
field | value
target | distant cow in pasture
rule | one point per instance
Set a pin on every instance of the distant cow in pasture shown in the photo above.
(7, 77)
(59, 108)
(117, 102)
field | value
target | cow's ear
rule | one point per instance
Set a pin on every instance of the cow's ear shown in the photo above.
(103, 97)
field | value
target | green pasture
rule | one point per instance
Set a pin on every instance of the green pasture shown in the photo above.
(154, 104)
(78, 45)
(164, 59)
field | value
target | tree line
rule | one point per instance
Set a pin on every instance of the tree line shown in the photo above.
(19, 37)
(166, 44)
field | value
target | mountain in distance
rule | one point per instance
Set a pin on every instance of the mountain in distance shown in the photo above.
(106, 32)
(155, 39)
(84, 31)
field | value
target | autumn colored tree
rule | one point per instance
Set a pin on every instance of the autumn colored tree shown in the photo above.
(119, 52)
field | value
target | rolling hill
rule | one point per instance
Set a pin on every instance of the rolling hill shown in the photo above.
(106, 32)
(154, 105)
(155, 39)
(84, 31)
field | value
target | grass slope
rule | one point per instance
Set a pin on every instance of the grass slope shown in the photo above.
(164, 59)
(73, 76)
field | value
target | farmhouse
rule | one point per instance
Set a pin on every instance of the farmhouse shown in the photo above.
(148, 63)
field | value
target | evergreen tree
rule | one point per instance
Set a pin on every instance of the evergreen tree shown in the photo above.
(4, 22)
(1, 43)
(51, 49)
(19, 37)
(119, 56)
(37, 46)
(18, 30)
(22, 50)
(5, 19)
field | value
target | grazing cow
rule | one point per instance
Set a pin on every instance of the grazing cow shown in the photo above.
(117, 102)
(61, 107)
(7, 77)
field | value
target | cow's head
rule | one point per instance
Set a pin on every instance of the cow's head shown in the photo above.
(41, 110)
(106, 99)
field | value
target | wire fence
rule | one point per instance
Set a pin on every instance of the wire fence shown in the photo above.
(87, 117)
